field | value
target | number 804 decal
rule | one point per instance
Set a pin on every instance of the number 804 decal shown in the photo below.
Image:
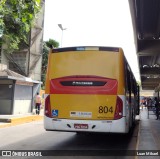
(105, 109)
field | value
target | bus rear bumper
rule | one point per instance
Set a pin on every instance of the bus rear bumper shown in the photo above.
(107, 126)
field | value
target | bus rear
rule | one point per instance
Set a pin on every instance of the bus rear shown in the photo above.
(85, 90)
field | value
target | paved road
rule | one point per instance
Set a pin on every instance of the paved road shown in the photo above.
(32, 136)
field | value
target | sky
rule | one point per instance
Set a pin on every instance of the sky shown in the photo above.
(91, 23)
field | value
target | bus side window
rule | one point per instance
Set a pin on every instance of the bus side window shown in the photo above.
(129, 83)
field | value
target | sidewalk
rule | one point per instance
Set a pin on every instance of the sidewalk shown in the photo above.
(11, 120)
(149, 132)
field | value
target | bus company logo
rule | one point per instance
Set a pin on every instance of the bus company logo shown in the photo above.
(82, 83)
(6, 153)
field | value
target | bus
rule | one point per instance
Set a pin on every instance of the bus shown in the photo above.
(90, 89)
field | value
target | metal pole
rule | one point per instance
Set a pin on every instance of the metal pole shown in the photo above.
(60, 26)
(61, 38)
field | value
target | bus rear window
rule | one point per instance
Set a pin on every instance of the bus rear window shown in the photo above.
(85, 48)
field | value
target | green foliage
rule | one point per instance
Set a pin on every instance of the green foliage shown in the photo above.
(52, 43)
(46, 46)
(0, 42)
(16, 19)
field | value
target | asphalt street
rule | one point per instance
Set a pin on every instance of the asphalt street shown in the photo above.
(32, 136)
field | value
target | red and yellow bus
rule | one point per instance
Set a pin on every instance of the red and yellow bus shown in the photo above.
(90, 89)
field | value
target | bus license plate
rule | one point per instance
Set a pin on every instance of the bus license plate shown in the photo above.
(81, 126)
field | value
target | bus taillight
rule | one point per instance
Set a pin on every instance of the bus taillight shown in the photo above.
(119, 108)
(47, 106)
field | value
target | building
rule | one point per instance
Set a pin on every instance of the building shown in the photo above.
(27, 61)
(17, 92)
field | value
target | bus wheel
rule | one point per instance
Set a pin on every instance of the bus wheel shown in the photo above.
(133, 121)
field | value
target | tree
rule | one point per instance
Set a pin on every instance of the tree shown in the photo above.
(16, 19)
(46, 46)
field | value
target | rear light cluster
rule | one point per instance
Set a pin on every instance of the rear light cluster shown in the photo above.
(48, 106)
(119, 108)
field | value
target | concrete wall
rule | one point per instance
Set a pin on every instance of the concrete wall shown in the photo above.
(22, 106)
(36, 47)
(4, 59)
(22, 99)
(3, 67)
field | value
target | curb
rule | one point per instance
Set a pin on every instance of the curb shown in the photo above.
(20, 120)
